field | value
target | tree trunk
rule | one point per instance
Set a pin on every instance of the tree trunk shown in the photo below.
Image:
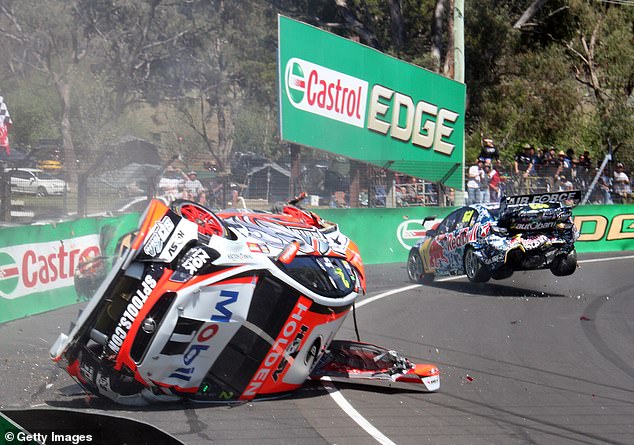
(397, 24)
(356, 26)
(449, 67)
(437, 31)
(63, 88)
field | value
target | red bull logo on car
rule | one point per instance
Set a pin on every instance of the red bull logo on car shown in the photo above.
(329, 93)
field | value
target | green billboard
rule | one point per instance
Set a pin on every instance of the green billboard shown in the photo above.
(349, 99)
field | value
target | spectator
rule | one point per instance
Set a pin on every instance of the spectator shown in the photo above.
(523, 166)
(473, 183)
(192, 187)
(550, 165)
(564, 184)
(622, 187)
(584, 169)
(494, 182)
(565, 165)
(170, 184)
(604, 188)
(489, 151)
(504, 174)
(485, 180)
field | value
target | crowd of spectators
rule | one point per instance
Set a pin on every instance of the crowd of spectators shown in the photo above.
(538, 170)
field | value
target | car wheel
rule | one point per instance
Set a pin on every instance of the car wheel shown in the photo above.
(41, 191)
(416, 270)
(474, 268)
(208, 223)
(564, 265)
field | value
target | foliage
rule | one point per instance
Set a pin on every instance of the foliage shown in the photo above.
(200, 76)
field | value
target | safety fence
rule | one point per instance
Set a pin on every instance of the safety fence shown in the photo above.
(38, 263)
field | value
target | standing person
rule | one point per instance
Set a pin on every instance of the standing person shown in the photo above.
(489, 151)
(550, 167)
(192, 186)
(565, 165)
(494, 182)
(484, 182)
(622, 187)
(522, 167)
(584, 169)
(473, 184)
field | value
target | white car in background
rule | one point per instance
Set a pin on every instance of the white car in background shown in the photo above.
(35, 181)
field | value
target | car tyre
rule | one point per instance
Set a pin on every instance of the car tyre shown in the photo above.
(208, 223)
(564, 265)
(474, 268)
(41, 191)
(416, 270)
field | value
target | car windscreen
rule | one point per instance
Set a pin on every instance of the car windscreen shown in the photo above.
(327, 276)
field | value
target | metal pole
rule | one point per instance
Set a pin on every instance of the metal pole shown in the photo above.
(459, 68)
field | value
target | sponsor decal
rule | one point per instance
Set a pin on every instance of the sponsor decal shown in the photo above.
(206, 333)
(162, 230)
(425, 125)
(277, 350)
(536, 225)
(325, 92)
(196, 259)
(534, 242)
(9, 273)
(177, 243)
(339, 96)
(412, 230)
(25, 269)
(291, 351)
(131, 312)
(230, 297)
(596, 227)
(544, 198)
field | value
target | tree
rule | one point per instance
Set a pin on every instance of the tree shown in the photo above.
(49, 41)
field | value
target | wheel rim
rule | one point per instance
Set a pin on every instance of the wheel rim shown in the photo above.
(415, 267)
(471, 264)
(208, 223)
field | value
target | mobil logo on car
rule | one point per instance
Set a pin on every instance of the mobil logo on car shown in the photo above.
(326, 92)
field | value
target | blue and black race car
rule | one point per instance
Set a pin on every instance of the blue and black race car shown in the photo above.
(483, 241)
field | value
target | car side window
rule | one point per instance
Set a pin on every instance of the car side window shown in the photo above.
(449, 223)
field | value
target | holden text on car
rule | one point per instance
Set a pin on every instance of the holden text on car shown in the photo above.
(223, 307)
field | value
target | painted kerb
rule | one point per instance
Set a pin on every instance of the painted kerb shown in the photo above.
(349, 99)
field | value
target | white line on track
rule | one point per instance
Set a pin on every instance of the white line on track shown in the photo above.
(349, 409)
(353, 413)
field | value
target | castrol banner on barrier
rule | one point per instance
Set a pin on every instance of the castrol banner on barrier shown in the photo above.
(28, 268)
(346, 98)
(38, 263)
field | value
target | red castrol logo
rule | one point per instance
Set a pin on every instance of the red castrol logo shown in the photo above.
(319, 90)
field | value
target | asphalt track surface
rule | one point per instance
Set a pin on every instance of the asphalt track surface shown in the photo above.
(533, 359)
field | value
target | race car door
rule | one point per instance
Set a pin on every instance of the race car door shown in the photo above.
(446, 249)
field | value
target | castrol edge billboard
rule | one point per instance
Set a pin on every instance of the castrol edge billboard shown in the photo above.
(349, 99)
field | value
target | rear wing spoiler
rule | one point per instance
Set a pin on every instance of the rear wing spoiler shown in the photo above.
(568, 199)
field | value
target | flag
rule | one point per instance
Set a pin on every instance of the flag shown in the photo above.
(5, 124)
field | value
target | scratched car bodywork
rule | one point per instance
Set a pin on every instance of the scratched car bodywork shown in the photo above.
(487, 241)
(216, 307)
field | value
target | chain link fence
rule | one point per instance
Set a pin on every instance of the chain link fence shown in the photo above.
(123, 178)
